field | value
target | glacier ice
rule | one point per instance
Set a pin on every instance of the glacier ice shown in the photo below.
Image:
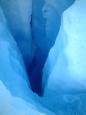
(12, 105)
(38, 35)
(28, 30)
(12, 70)
(64, 74)
(52, 11)
(46, 19)
(15, 94)
(18, 16)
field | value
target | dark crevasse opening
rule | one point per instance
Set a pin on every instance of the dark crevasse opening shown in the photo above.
(38, 24)
(46, 20)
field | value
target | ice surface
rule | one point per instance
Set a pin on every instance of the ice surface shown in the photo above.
(11, 105)
(12, 70)
(64, 74)
(15, 94)
(64, 78)
(18, 15)
(52, 11)
(46, 25)
(46, 17)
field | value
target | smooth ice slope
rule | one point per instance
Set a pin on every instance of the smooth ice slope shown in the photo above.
(64, 79)
(12, 70)
(18, 15)
(11, 105)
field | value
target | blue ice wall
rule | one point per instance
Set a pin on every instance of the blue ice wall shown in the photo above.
(52, 11)
(46, 18)
(64, 78)
(12, 69)
(16, 97)
(34, 25)
(28, 30)
(18, 16)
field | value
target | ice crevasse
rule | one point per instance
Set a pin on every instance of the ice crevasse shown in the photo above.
(32, 27)
(46, 19)
(29, 30)
(16, 96)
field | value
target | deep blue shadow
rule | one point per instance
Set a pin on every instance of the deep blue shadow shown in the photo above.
(42, 45)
